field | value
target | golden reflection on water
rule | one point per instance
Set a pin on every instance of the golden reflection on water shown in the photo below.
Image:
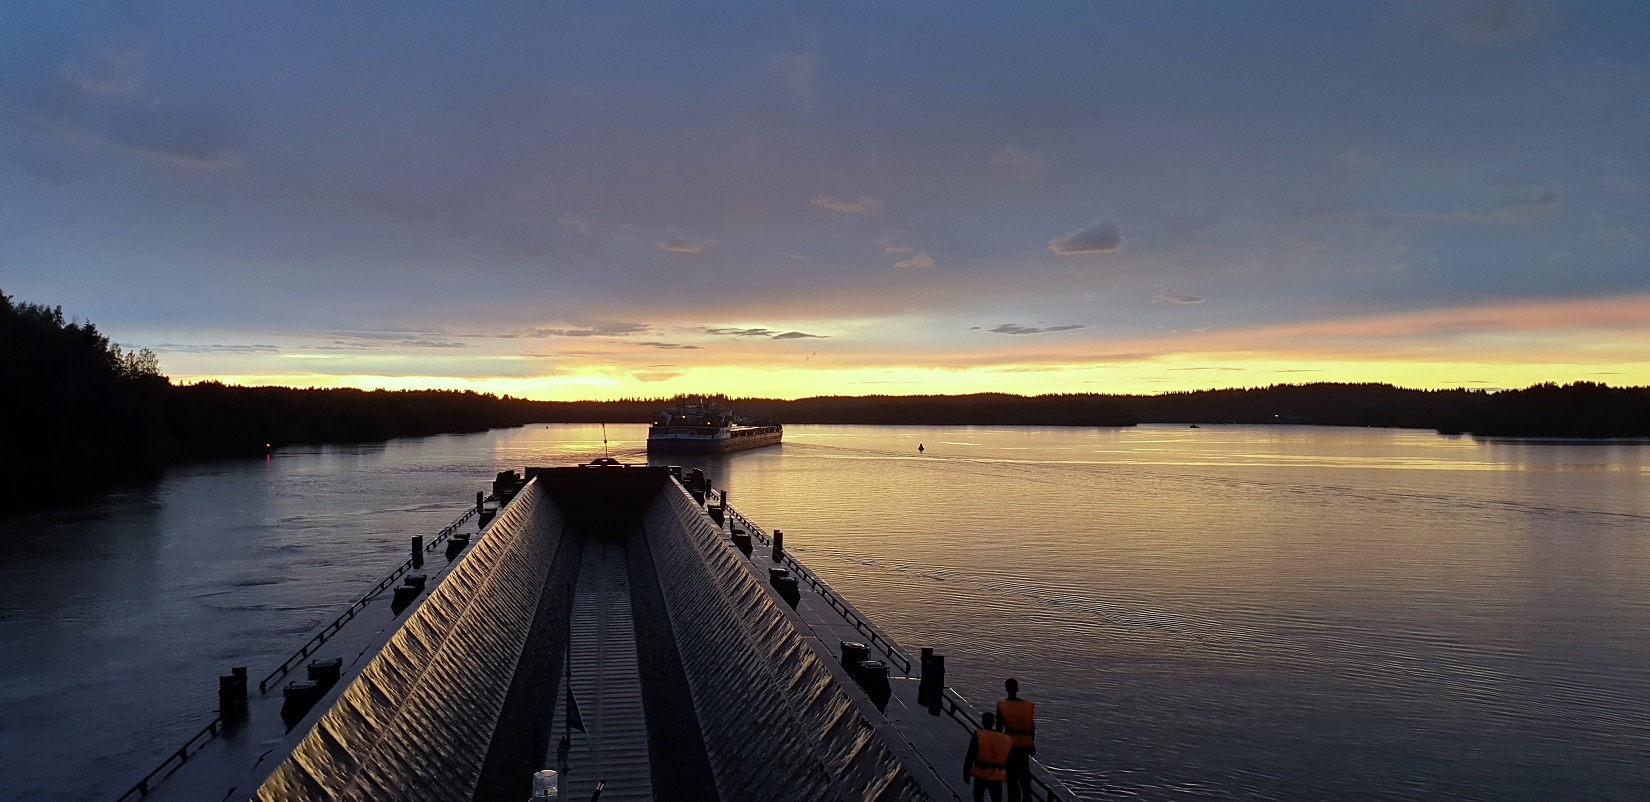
(1222, 612)
(1276, 611)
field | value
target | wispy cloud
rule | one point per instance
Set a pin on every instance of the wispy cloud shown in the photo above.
(656, 375)
(865, 205)
(799, 71)
(190, 156)
(117, 72)
(1429, 335)
(893, 242)
(1101, 237)
(671, 346)
(577, 223)
(369, 340)
(375, 342)
(1011, 328)
(1490, 21)
(1018, 164)
(681, 245)
(1526, 210)
(920, 260)
(1623, 185)
(214, 348)
(736, 332)
(592, 328)
(763, 332)
(1173, 298)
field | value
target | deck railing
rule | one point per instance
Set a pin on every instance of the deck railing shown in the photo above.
(207, 733)
(848, 613)
(177, 758)
(951, 703)
(313, 645)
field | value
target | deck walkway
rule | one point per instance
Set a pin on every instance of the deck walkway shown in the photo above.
(606, 682)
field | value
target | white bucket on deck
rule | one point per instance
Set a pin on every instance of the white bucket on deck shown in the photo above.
(544, 784)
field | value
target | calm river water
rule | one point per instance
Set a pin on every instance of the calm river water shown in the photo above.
(1225, 612)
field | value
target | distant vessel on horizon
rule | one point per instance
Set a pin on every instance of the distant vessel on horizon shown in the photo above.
(705, 425)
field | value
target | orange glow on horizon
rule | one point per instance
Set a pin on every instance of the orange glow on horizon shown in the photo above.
(1498, 346)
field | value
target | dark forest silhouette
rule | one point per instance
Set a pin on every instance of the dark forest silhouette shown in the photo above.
(81, 414)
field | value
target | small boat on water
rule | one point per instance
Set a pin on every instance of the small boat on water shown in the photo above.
(705, 425)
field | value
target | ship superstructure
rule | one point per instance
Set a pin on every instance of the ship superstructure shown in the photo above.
(705, 425)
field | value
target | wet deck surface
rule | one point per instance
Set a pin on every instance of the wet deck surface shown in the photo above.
(937, 742)
(605, 677)
(606, 682)
(221, 764)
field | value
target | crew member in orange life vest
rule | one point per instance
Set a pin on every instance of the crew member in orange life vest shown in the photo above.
(986, 764)
(1017, 718)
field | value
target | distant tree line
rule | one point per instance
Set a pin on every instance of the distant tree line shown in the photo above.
(984, 409)
(1583, 409)
(80, 413)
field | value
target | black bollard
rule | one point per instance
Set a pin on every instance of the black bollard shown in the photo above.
(403, 598)
(299, 697)
(789, 590)
(326, 672)
(479, 497)
(418, 551)
(742, 541)
(931, 690)
(456, 543)
(781, 580)
(778, 546)
(872, 676)
(232, 694)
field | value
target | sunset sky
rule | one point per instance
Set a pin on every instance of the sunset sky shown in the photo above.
(562, 200)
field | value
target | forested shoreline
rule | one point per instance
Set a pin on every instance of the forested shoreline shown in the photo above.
(1579, 410)
(81, 414)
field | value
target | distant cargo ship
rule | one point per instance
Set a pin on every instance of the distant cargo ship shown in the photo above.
(704, 425)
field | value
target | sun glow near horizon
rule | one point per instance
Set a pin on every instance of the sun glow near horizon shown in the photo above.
(1505, 346)
(565, 201)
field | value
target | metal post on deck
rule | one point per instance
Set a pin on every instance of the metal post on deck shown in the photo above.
(931, 689)
(479, 497)
(778, 546)
(418, 551)
(232, 694)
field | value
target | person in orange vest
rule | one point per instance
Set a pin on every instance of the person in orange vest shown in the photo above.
(1017, 718)
(986, 764)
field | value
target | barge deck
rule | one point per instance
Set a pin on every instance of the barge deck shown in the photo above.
(707, 663)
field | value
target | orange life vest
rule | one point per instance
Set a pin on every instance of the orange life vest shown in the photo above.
(1017, 716)
(991, 757)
